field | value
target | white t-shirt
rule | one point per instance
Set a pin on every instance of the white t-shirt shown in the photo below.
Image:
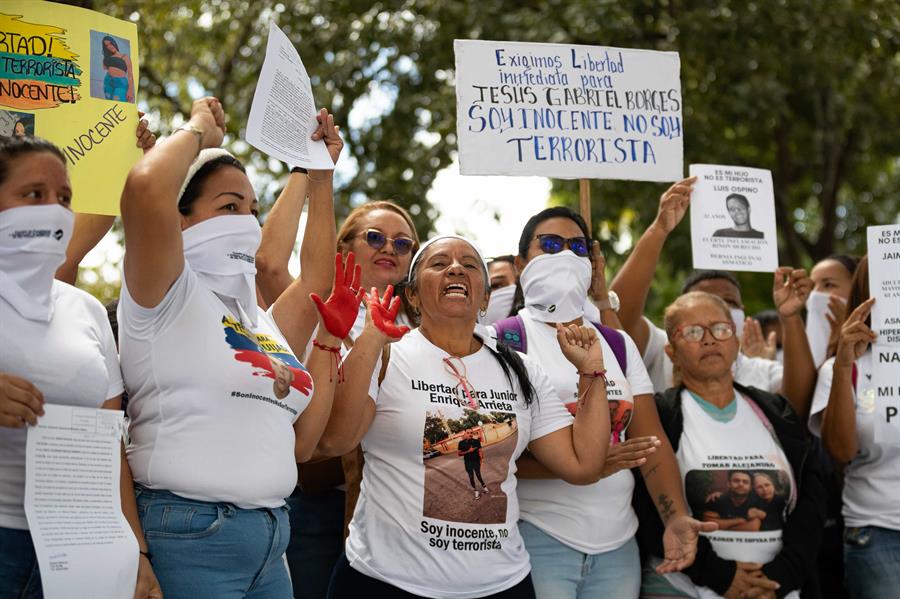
(872, 479)
(749, 372)
(708, 452)
(418, 524)
(71, 359)
(212, 402)
(589, 518)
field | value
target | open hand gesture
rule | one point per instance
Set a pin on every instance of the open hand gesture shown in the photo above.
(338, 313)
(792, 287)
(383, 313)
(680, 542)
(673, 204)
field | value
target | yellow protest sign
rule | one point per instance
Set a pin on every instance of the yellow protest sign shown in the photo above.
(70, 75)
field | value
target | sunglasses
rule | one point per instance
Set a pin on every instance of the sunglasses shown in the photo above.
(554, 244)
(377, 240)
(694, 333)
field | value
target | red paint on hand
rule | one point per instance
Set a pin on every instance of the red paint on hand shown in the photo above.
(339, 311)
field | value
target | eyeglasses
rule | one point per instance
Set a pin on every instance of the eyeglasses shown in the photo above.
(694, 333)
(554, 244)
(376, 240)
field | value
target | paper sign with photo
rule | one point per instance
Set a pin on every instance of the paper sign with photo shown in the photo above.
(70, 76)
(733, 219)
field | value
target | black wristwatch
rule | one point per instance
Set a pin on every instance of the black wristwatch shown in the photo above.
(299, 169)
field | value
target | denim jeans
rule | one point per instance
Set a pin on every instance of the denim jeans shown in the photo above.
(201, 549)
(560, 572)
(317, 540)
(19, 576)
(871, 562)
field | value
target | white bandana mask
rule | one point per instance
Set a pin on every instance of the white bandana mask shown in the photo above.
(555, 286)
(818, 329)
(738, 316)
(222, 251)
(499, 305)
(33, 242)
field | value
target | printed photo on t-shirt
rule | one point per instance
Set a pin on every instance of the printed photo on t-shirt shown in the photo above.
(268, 358)
(467, 455)
(621, 409)
(739, 500)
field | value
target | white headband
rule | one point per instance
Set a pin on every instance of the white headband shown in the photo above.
(205, 156)
(484, 268)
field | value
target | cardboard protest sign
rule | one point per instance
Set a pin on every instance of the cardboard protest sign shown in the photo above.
(733, 219)
(70, 75)
(884, 286)
(568, 111)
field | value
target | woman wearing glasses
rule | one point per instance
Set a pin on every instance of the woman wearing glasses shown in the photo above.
(383, 238)
(581, 538)
(721, 431)
(413, 533)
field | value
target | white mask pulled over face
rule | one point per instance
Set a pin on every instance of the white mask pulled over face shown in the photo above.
(818, 329)
(499, 305)
(222, 251)
(555, 286)
(738, 316)
(33, 241)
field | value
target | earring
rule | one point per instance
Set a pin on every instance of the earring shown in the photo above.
(483, 312)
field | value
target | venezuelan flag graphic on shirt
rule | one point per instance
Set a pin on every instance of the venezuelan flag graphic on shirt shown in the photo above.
(269, 357)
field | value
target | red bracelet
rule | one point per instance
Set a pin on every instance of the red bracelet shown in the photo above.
(336, 352)
(597, 374)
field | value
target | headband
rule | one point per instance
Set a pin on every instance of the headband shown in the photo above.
(204, 157)
(415, 260)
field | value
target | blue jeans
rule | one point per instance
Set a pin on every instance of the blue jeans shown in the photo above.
(201, 549)
(19, 576)
(317, 540)
(871, 562)
(560, 572)
(115, 88)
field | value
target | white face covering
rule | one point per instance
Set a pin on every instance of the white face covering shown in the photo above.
(33, 242)
(499, 305)
(555, 286)
(818, 330)
(738, 316)
(222, 251)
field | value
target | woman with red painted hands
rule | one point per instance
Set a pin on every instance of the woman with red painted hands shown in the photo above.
(217, 429)
(417, 529)
(58, 348)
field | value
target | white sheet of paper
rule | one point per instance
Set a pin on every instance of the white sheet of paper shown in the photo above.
(568, 111)
(726, 235)
(818, 329)
(884, 286)
(84, 545)
(283, 112)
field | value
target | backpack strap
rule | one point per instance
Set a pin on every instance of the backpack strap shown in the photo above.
(511, 332)
(616, 342)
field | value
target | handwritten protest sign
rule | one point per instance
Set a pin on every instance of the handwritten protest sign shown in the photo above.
(884, 286)
(70, 75)
(733, 219)
(568, 111)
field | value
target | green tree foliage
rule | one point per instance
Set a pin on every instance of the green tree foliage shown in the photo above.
(806, 88)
